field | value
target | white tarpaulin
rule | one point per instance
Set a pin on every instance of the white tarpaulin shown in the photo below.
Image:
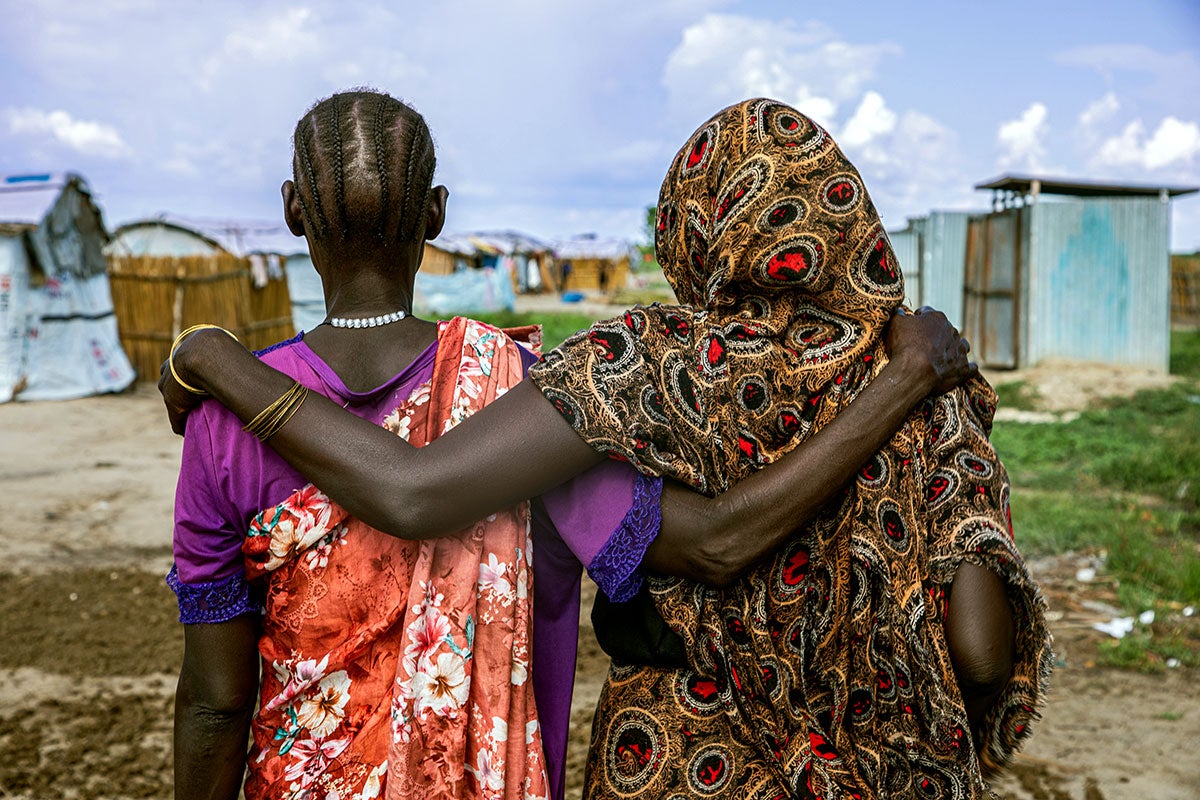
(58, 334)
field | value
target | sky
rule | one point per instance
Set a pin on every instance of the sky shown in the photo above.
(560, 118)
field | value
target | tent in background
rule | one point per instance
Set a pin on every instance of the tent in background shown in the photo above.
(267, 244)
(58, 333)
(171, 272)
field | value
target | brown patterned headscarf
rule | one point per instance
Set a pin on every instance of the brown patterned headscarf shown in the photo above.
(787, 279)
(830, 663)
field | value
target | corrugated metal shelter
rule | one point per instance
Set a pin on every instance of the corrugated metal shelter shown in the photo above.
(171, 272)
(1070, 269)
(58, 333)
(931, 251)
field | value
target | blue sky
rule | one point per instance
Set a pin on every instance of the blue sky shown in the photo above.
(559, 118)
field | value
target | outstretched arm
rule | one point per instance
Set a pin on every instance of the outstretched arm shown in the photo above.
(712, 540)
(401, 489)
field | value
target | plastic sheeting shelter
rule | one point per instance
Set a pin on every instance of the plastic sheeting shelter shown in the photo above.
(58, 333)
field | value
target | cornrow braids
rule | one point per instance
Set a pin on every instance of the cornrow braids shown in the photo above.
(381, 166)
(359, 139)
(312, 219)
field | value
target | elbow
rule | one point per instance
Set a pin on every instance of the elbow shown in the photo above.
(983, 676)
(407, 513)
(714, 561)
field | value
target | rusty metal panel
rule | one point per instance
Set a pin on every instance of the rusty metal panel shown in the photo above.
(1100, 282)
(991, 287)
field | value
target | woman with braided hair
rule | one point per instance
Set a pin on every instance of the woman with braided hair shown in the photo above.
(620, 388)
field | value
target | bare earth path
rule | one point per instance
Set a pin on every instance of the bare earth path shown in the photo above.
(89, 645)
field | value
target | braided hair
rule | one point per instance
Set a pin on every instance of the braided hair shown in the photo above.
(363, 164)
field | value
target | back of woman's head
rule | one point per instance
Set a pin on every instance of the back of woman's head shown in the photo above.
(363, 163)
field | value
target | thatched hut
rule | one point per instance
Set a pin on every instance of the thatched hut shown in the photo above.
(591, 264)
(171, 272)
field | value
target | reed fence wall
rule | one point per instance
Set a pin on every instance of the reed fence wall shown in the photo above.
(155, 297)
(1185, 289)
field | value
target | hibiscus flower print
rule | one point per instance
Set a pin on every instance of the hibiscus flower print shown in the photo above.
(296, 679)
(323, 711)
(443, 687)
(311, 759)
(424, 634)
(490, 778)
(310, 507)
(492, 576)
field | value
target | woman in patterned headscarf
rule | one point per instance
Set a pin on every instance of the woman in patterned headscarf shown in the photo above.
(824, 672)
(833, 668)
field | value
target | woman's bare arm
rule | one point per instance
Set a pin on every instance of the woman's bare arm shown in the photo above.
(520, 446)
(712, 540)
(214, 702)
(517, 447)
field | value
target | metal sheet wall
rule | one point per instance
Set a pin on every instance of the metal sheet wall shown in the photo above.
(943, 258)
(907, 244)
(1098, 282)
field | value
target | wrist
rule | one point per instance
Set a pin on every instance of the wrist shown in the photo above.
(197, 353)
(911, 376)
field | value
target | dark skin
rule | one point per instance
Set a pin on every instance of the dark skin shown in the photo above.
(400, 489)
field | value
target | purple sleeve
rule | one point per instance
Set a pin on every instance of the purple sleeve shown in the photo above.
(608, 517)
(208, 576)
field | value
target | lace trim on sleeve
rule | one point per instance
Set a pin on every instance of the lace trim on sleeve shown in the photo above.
(615, 567)
(214, 601)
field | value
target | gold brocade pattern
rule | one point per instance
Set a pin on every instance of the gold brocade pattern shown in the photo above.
(824, 672)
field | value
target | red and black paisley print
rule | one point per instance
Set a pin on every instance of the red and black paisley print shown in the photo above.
(823, 673)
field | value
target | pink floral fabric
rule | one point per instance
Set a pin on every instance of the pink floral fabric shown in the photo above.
(399, 669)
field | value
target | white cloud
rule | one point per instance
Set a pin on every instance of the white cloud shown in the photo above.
(1020, 139)
(1174, 142)
(870, 120)
(276, 38)
(1099, 111)
(725, 58)
(82, 136)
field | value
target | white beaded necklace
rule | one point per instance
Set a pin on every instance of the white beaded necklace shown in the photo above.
(368, 322)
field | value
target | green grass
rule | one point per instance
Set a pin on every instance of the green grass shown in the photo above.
(1017, 395)
(1185, 353)
(1122, 479)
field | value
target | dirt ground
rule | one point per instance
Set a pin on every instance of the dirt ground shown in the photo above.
(89, 645)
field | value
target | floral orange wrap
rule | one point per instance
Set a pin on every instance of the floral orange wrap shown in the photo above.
(393, 668)
(824, 672)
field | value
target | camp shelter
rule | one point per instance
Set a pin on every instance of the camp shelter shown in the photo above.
(589, 263)
(58, 334)
(526, 259)
(450, 253)
(931, 251)
(169, 273)
(1070, 269)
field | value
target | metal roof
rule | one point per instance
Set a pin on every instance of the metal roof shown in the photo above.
(1024, 184)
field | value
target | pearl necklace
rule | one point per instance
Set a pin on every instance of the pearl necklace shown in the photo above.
(368, 322)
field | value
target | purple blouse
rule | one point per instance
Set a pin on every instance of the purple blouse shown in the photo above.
(605, 518)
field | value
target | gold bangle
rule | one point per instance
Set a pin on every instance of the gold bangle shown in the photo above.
(175, 346)
(268, 421)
